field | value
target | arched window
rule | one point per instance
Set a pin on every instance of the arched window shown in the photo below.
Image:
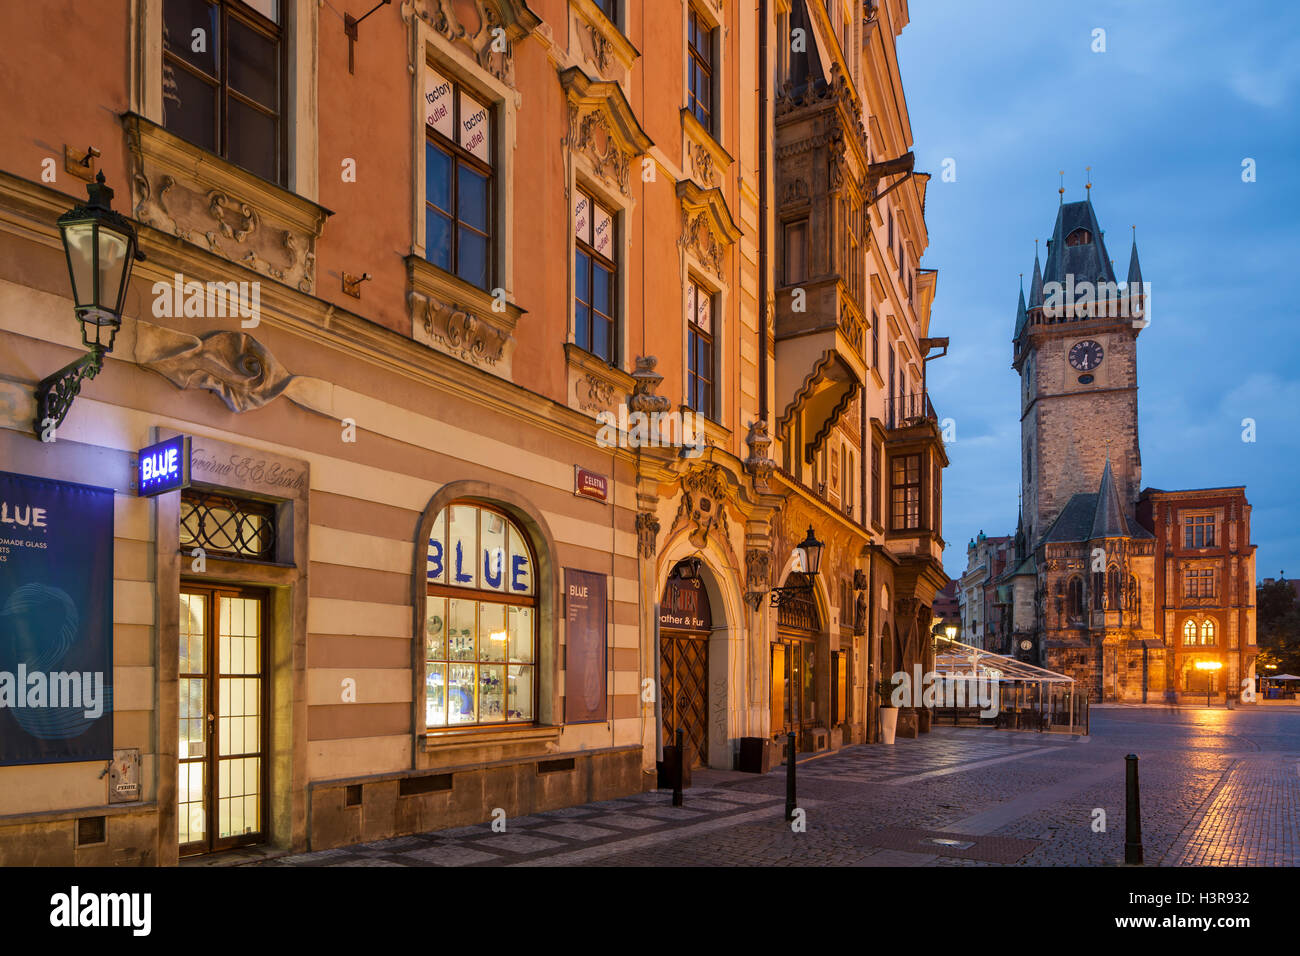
(1113, 589)
(1098, 589)
(1134, 596)
(1076, 597)
(481, 620)
(1207, 631)
(1189, 632)
(1080, 237)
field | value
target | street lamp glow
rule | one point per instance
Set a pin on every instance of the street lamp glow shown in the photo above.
(1209, 665)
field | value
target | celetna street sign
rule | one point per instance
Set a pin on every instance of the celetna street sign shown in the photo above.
(588, 484)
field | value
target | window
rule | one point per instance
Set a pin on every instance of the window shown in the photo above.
(890, 241)
(875, 482)
(1114, 589)
(906, 492)
(223, 525)
(796, 245)
(610, 9)
(1098, 589)
(594, 276)
(936, 499)
(1198, 531)
(1076, 598)
(701, 374)
(699, 66)
(1080, 237)
(848, 480)
(1207, 631)
(1199, 583)
(875, 340)
(458, 182)
(228, 96)
(480, 621)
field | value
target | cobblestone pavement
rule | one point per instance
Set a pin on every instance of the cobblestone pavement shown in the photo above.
(1218, 788)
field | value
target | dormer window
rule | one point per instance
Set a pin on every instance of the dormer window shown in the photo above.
(1080, 237)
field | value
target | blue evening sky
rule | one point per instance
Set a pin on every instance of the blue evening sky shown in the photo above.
(1012, 91)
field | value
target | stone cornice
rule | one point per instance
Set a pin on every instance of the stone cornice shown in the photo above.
(460, 320)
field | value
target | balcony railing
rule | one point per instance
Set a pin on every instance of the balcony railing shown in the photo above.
(909, 409)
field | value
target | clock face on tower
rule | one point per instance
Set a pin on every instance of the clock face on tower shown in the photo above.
(1086, 356)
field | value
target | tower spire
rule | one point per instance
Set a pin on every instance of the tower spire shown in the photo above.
(1061, 192)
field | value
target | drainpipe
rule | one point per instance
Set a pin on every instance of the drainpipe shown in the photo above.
(763, 136)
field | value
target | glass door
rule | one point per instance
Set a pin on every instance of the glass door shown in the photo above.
(222, 718)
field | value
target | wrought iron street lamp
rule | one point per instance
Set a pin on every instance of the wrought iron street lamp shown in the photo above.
(100, 246)
(1209, 667)
(802, 590)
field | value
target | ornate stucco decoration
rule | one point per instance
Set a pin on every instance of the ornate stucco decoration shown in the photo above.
(706, 161)
(460, 320)
(759, 464)
(707, 227)
(486, 29)
(234, 365)
(600, 41)
(643, 397)
(594, 386)
(184, 191)
(647, 533)
(702, 512)
(602, 127)
(758, 575)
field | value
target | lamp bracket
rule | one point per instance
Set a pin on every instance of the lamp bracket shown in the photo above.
(55, 394)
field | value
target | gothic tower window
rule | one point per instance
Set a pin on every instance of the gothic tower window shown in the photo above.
(1113, 589)
(1076, 597)
(1080, 237)
(1098, 589)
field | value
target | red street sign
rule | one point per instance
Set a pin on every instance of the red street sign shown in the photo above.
(588, 484)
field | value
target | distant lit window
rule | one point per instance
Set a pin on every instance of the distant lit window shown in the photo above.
(1207, 632)
(1189, 633)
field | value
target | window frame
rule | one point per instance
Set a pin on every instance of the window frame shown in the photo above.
(695, 333)
(479, 595)
(459, 156)
(910, 489)
(1198, 526)
(705, 61)
(594, 259)
(277, 32)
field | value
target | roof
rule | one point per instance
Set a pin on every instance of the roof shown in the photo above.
(955, 659)
(1088, 261)
(1108, 519)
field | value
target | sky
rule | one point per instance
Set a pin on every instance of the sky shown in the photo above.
(1012, 92)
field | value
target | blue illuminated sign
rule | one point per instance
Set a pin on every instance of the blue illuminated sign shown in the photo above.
(164, 467)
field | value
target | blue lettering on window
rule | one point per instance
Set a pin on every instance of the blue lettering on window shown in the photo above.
(518, 569)
(493, 557)
(435, 558)
(461, 576)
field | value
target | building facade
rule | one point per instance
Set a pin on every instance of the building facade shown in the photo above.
(472, 325)
(1096, 588)
(980, 610)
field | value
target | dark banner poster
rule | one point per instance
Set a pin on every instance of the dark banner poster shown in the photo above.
(585, 595)
(56, 621)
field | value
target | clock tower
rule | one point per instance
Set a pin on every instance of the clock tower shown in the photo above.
(1075, 348)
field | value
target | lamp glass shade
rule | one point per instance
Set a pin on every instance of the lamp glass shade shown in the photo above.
(812, 552)
(951, 631)
(100, 247)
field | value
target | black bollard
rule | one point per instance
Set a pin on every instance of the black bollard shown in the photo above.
(1132, 813)
(681, 770)
(789, 777)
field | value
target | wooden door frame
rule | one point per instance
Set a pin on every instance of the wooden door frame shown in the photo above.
(214, 591)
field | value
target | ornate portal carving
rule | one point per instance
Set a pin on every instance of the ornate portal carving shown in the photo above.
(759, 464)
(758, 575)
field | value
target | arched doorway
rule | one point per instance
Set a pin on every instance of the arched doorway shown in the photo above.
(795, 685)
(685, 627)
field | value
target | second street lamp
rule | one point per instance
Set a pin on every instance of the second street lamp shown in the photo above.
(802, 591)
(100, 247)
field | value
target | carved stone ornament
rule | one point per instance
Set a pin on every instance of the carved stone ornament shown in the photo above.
(860, 614)
(647, 533)
(643, 397)
(459, 333)
(703, 506)
(702, 167)
(602, 127)
(602, 51)
(486, 29)
(758, 574)
(184, 191)
(759, 464)
(595, 394)
(707, 226)
(234, 365)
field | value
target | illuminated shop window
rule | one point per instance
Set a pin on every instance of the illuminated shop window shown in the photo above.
(480, 621)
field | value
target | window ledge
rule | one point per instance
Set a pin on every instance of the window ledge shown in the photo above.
(458, 319)
(705, 158)
(600, 40)
(448, 740)
(186, 191)
(595, 386)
